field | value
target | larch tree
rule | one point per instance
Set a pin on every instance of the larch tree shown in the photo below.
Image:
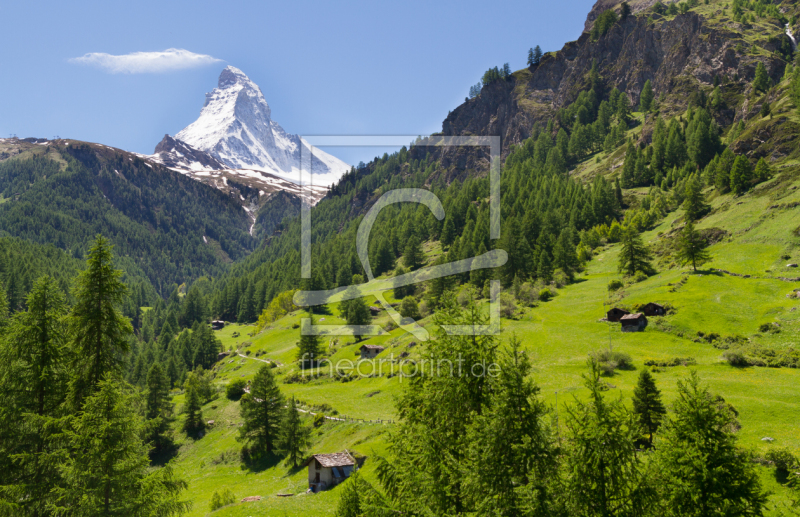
(99, 331)
(741, 174)
(193, 408)
(762, 82)
(694, 202)
(511, 444)
(158, 407)
(309, 350)
(261, 410)
(605, 477)
(647, 405)
(108, 470)
(691, 247)
(646, 97)
(412, 253)
(634, 257)
(294, 437)
(33, 381)
(702, 470)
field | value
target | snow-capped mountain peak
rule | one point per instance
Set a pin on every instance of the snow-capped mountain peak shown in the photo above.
(236, 128)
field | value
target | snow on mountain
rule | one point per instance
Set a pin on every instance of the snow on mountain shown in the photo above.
(200, 165)
(235, 128)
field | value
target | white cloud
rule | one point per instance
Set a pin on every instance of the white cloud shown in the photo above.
(146, 62)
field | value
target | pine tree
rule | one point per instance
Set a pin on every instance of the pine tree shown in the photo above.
(544, 269)
(194, 307)
(401, 292)
(448, 232)
(647, 405)
(159, 408)
(564, 254)
(308, 349)
(606, 477)
(358, 313)
(100, 331)
(694, 201)
(741, 174)
(261, 411)
(412, 254)
(646, 97)
(511, 445)
(294, 437)
(762, 82)
(108, 471)
(530, 57)
(537, 54)
(722, 178)
(193, 408)
(624, 12)
(701, 467)
(634, 256)
(691, 248)
(33, 381)
(623, 108)
(628, 178)
(206, 346)
(763, 171)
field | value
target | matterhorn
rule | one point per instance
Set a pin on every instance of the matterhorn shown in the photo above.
(235, 127)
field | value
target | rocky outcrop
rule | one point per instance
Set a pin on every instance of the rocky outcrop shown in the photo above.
(679, 56)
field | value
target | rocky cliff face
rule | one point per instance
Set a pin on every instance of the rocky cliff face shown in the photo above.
(679, 56)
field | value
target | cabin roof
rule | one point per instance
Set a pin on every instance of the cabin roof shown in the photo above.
(337, 459)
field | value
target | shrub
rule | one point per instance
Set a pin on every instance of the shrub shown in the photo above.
(640, 276)
(675, 361)
(409, 308)
(319, 419)
(735, 358)
(610, 360)
(527, 294)
(235, 389)
(424, 309)
(218, 500)
(545, 294)
(508, 309)
(615, 285)
(782, 458)
(769, 328)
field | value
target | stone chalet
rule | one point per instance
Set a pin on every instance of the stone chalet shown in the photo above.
(370, 351)
(633, 322)
(328, 470)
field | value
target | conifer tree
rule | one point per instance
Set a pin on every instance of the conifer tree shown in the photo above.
(100, 331)
(358, 313)
(206, 346)
(605, 475)
(401, 292)
(646, 97)
(544, 269)
(647, 405)
(722, 178)
(108, 471)
(409, 308)
(530, 57)
(701, 467)
(763, 171)
(294, 436)
(691, 247)
(510, 444)
(762, 81)
(412, 254)
(308, 349)
(193, 408)
(564, 253)
(33, 381)
(261, 411)
(159, 408)
(634, 256)
(3, 305)
(741, 174)
(623, 108)
(694, 201)
(628, 178)
(537, 54)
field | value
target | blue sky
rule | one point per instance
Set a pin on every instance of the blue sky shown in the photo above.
(324, 67)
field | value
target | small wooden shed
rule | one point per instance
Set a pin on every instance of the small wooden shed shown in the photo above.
(328, 470)
(217, 325)
(615, 314)
(654, 309)
(633, 322)
(370, 351)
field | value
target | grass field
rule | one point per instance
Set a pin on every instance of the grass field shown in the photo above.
(559, 335)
